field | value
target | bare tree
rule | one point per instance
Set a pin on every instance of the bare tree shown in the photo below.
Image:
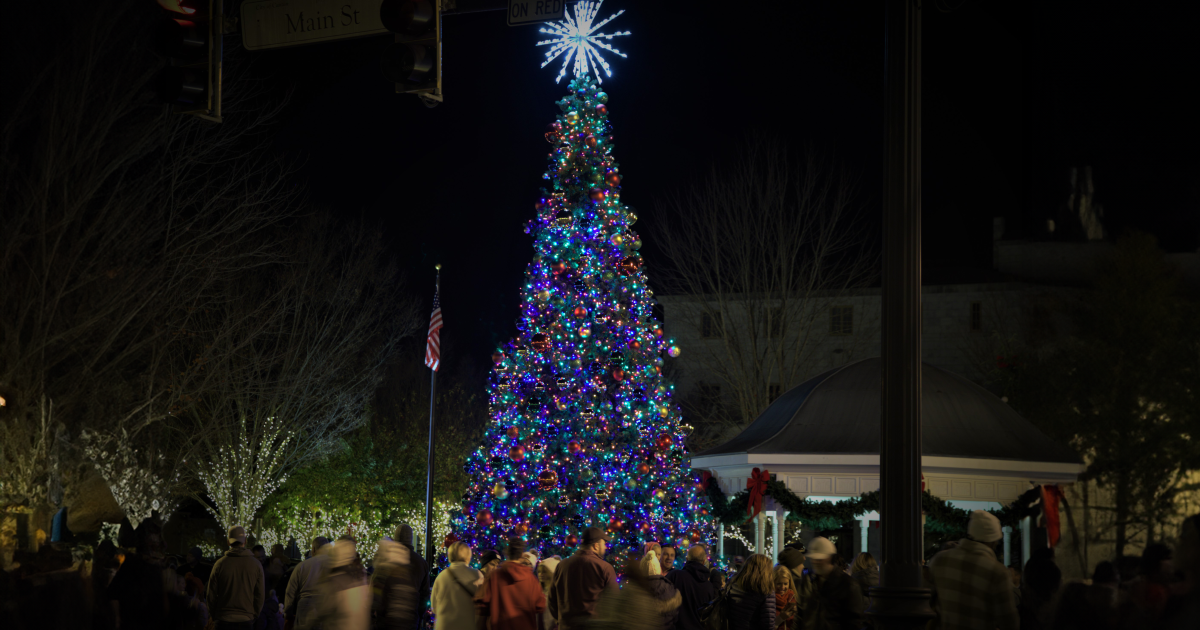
(293, 357)
(116, 214)
(757, 251)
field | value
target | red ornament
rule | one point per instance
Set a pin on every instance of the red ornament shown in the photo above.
(574, 447)
(517, 453)
(513, 432)
(616, 525)
(613, 179)
(590, 140)
(618, 374)
(540, 342)
(483, 518)
(664, 441)
(521, 529)
(497, 357)
(634, 345)
(596, 195)
(695, 537)
(601, 109)
(643, 468)
(580, 312)
(558, 267)
(539, 205)
(631, 264)
(548, 478)
(572, 540)
(645, 527)
(554, 132)
(449, 540)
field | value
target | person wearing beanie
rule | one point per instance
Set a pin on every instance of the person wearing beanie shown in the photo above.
(835, 600)
(510, 597)
(972, 587)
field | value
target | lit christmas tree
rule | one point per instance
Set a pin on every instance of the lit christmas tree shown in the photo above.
(583, 430)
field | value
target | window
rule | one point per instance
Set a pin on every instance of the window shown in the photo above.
(710, 326)
(773, 391)
(775, 322)
(976, 317)
(841, 320)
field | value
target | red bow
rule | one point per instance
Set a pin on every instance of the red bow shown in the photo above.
(757, 485)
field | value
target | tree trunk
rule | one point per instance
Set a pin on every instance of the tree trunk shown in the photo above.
(1122, 514)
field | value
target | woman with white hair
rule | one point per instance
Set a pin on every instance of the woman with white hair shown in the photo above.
(664, 592)
(454, 591)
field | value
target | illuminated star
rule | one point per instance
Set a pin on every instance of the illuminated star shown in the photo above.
(576, 36)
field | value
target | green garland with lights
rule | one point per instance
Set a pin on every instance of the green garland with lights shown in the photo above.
(940, 517)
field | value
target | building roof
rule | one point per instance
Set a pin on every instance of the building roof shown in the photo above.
(839, 412)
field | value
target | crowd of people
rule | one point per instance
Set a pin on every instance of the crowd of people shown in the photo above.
(135, 586)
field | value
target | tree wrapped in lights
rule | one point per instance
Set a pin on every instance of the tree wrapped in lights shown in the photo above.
(583, 429)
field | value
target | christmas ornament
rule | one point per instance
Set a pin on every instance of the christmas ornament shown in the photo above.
(573, 447)
(499, 491)
(540, 342)
(548, 478)
(516, 453)
(673, 351)
(484, 518)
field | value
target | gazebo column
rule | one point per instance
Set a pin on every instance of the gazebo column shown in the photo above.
(721, 540)
(780, 531)
(1026, 539)
(865, 533)
(1007, 529)
(760, 526)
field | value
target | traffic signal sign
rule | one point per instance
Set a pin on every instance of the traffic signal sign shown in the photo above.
(190, 36)
(414, 61)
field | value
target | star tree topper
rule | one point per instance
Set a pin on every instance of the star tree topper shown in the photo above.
(577, 39)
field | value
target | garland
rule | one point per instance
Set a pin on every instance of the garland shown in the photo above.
(940, 516)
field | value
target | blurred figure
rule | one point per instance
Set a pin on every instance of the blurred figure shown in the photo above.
(182, 612)
(835, 601)
(137, 586)
(418, 573)
(236, 585)
(666, 595)
(1149, 592)
(260, 554)
(275, 566)
(667, 558)
(751, 603)
(580, 580)
(510, 597)
(545, 574)
(648, 546)
(194, 589)
(865, 573)
(454, 590)
(973, 589)
(785, 599)
(1105, 577)
(1042, 581)
(193, 562)
(717, 579)
(394, 588)
(1014, 573)
(488, 560)
(1183, 608)
(696, 587)
(1084, 607)
(269, 618)
(632, 607)
(345, 599)
(303, 588)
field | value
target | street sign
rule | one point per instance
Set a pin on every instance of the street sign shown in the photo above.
(280, 23)
(525, 12)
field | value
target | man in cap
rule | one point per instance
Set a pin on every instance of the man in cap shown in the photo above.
(836, 601)
(792, 558)
(580, 581)
(973, 589)
(236, 585)
(300, 602)
(511, 597)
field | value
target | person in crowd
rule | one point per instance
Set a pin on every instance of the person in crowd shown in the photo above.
(696, 587)
(510, 597)
(302, 593)
(260, 554)
(632, 607)
(274, 568)
(1183, 607)
(193, 562)
(667, 597)
(785, 599)
(236, 585)
(835, 600)
(580, 580)
(488, 560)
(1042, 580)
(345, 599)
(545, 574)
(667, 558)
(1105, 576)
(1084, 607)
(647, 547)
(751, 603)
(1149, 592)
(865, 573)
(269, 618)
(394, 587)
(418, 571)
(973, 588)
(194, 589)
(182, 611)
(792, 558)
(717, 579)
(1014, 574)
(454, 590)
(137, 587)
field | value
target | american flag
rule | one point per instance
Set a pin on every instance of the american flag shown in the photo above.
(433, 343)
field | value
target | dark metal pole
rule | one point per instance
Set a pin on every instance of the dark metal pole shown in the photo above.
(429, 547)
(900, 601)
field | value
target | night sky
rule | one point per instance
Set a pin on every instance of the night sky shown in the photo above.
(1014, 94)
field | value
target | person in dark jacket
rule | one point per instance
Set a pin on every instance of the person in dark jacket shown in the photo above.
(696, 588)
(194, 563)
(510, 597)
(667, 598)
(580, 580)
(751, 603)
(837, 602)
(236, 586)
(418, 574)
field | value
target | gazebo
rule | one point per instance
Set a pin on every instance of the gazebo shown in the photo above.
(821, 438)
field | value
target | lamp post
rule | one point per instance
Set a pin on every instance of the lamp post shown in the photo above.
(900, 601)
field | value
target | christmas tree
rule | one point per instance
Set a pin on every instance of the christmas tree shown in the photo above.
(583, 429)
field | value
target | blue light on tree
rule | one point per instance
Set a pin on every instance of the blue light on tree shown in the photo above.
(576, 38)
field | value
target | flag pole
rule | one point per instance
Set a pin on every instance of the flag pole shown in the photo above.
(429, 548)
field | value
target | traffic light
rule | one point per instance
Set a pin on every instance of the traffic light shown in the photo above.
(190, 36)
(414, 61)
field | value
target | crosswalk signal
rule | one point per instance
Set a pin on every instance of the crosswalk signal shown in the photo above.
(414, 61)
(190, 36)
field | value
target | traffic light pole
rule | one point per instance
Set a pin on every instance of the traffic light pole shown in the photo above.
(900, 602)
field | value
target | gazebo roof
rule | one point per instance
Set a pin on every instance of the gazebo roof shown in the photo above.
(839, 412)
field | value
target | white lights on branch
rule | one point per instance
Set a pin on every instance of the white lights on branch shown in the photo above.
(577, 40)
